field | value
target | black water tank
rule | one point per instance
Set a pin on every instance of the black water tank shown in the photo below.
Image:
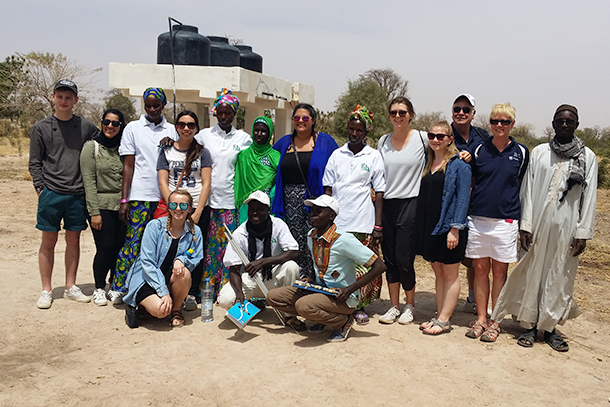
(223, 53)
(190, 47)
(249, 59)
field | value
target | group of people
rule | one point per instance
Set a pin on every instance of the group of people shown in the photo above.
(159, 196)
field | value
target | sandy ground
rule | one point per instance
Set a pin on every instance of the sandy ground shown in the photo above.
(80, 354)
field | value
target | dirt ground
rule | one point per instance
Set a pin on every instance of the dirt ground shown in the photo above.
(84, 355)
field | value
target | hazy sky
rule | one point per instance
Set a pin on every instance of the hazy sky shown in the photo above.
(533, 54)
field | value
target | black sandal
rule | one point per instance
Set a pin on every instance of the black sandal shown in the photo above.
(528, 338)
(556, 341)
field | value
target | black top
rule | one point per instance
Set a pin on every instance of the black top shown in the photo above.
(168, 263)
(290, 170)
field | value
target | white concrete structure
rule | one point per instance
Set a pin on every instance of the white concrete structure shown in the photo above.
(198, 86)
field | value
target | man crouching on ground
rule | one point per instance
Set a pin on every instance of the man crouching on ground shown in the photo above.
(335, 255)
(271, 248)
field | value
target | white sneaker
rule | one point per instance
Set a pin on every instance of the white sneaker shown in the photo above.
(45, 300)
(390, 316)
(407, 315)
(116, 297)
(75, 294)
(99, 297)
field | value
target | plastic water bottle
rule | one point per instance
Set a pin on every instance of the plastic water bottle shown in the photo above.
(207, 302)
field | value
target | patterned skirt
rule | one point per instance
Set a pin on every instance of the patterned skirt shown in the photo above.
(213, 267)
(140, 213)
(297, 218)
(371, 291)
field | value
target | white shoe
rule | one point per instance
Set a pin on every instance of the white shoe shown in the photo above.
(390, 316)
(116, 297)
(75, 294)
(407, 315)
(99, 297)
(45, 300)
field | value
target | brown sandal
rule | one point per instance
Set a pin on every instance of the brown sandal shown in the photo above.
(476, 329)
(491, 333)
(177, 318)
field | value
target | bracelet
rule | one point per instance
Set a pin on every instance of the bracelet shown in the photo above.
(124, 201)
(377, 227)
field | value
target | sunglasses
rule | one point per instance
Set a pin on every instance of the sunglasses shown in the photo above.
(495, 122)
(174, 205)
(190, 125)
(560, 122)
(299, 118)
(440, 137)
(465, 109)
(401, 113)
(107, 122)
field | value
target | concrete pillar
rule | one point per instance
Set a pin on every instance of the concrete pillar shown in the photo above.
(283, 123)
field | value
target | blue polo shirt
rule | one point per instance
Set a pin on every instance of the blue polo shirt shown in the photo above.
(477, 136)
(497, 178)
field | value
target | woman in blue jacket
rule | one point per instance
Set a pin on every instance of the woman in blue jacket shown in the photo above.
(441, 232)
(304, 155)
(161, 275)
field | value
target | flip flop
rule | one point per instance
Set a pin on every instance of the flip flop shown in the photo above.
(177, 319)
(527, 338)
(445, 327)
(556, 341)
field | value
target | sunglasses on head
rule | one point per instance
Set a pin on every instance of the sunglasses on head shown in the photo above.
(174, 206)
(465, 109)
(106, 122)
(182, 125)
(438, 136)
(495, 122)
(560, 122)
(299, 118)
(401, 113)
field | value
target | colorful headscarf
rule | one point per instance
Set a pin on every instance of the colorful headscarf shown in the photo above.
(156, 93)
(226, 98)
(256, 166)
(362, 113)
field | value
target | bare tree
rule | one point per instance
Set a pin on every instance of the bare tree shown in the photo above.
(388, 80)
(423, 121)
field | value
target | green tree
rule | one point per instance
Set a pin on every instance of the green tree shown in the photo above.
(426, 120)
(116, 100)
(325, 121)
(12, 76)
(365, 92)
(525, 134)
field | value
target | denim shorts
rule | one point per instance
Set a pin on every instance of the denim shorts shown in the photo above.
(53, 207)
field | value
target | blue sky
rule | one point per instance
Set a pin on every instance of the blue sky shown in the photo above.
(533, 54)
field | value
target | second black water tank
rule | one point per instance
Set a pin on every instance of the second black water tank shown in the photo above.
(190, 47)
(249, 59)
(223, 53)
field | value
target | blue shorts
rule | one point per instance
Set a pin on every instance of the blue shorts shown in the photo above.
(53, 207)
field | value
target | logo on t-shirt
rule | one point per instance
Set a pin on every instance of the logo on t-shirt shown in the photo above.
(273, 240)
(335, 274)
(236, 147)
(365, 167)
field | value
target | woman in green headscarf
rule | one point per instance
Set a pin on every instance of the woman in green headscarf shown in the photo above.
(256, 166)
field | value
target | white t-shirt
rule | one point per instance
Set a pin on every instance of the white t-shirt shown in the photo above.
(224, 148)
(281, 241)
(141, 139)
(172, 160)
(403, 168)
(351, 178)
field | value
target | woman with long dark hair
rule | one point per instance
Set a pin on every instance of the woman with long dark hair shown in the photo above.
(304, 155)
(187, 165)
(102, 171)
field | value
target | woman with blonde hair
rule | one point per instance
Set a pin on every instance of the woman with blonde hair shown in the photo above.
(440, 228)
(160, 277)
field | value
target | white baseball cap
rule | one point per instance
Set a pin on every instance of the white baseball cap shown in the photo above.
(259, 196)
(324, 201)
(467, 96)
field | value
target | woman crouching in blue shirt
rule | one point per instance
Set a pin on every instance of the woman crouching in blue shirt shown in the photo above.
(441, 232)
(161, 275)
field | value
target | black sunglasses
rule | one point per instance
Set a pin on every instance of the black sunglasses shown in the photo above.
(440, 137)
(560, 122)
(106, 122)
(401, 113)
(190, 125)
(465, 109)
(495, 122)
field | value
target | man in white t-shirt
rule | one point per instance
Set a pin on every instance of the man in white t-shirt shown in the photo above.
(268, 243)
